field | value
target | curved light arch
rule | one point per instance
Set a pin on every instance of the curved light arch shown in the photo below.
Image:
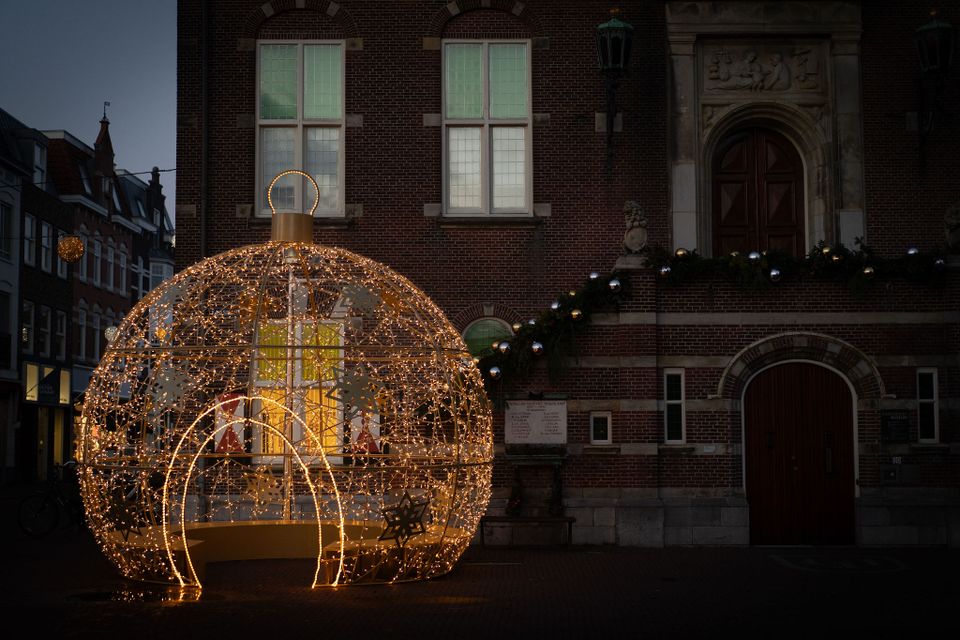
(196, 456)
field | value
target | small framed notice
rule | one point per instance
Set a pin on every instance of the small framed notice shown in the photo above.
(536, 422)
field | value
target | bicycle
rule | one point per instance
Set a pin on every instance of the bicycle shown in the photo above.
(40, 514)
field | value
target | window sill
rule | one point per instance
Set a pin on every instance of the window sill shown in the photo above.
(601, 449)
(505, 220)
(676, 449)
(319, 222)
(929, 446)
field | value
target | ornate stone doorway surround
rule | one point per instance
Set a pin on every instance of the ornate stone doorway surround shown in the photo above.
(793, 67)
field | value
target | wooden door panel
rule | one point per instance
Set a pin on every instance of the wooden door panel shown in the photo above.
(780, 204)
(734, 211)
(758, 193)
(798, 427)
(736, 157)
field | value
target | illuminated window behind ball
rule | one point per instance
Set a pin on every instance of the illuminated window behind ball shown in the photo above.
(286, 400)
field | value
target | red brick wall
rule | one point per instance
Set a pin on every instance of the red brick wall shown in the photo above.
(393, 168)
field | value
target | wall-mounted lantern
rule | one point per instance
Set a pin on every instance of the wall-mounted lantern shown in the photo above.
(936, 42)
(614, 40)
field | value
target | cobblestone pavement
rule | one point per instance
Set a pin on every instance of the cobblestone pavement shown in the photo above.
(62, 586)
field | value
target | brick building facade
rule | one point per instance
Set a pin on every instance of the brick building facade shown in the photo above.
(494, 212)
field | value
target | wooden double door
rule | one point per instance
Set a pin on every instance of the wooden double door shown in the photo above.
(798, 443)
(757, 195)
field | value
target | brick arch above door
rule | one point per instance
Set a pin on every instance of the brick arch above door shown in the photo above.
(846, 359)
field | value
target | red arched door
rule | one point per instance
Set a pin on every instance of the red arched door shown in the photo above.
(757, 194)
(798, 430)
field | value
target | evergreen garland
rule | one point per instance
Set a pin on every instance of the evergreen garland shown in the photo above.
(555, 330)
(554, 333)
(859, 269)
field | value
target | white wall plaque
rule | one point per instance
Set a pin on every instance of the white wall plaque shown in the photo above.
(536, 422)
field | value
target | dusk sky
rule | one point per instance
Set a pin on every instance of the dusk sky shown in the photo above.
(62, 59)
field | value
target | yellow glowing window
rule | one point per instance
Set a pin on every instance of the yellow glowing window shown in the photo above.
(324, 354)
(273, 415)
(271, 360)
(33, 381)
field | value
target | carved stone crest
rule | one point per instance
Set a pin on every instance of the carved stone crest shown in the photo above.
(635, 238)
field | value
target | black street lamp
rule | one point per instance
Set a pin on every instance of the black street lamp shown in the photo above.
(935, 41)
(614, 40)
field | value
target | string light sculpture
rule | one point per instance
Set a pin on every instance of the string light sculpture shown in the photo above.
(286, 400)
(70, 249)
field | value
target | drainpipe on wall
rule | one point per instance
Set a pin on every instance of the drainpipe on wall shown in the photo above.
(204, 123)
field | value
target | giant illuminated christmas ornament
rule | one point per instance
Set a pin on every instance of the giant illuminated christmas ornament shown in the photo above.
(286, 400)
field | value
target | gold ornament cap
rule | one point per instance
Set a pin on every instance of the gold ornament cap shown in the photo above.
(292, 226)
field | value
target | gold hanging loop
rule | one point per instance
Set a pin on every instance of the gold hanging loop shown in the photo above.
(291, 226)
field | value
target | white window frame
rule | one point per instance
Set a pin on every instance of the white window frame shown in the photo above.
(85, 179)
(44, 329)
(61, 334)
(29, 240)
(95, 327)
(137, 278)
(262, 207)
(486, 123)
(61, 264)
(39, 165)
(97, 258)
(123, 271)
(27, 327)
(682, 402)
(81, 269)
(116, 197)
(301, 384)
(934, 401)
(81, 333)
(6, 231)
(608, 415)
(111, 276)
(46, 247)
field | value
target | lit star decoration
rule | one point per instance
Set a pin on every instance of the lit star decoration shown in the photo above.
(262, 487)
(405, 520)
(237, 391)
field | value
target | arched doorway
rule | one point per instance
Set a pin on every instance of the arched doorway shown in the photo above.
(758, 193)
(798, 444)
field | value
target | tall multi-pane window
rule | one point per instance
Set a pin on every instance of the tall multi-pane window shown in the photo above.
(26, 327)
(123, 271)
(82, 271)
(108, 281)
(81, 352)
(46, 247)
(61, 263)
(39, 165)
(29, 239)
(673, 410)
(60, 337)
(95, 336)
(928, 420)
(300, 112)
(6, 231)
(6, 339)
(95, 258)
(43, 331)
(487, 116)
